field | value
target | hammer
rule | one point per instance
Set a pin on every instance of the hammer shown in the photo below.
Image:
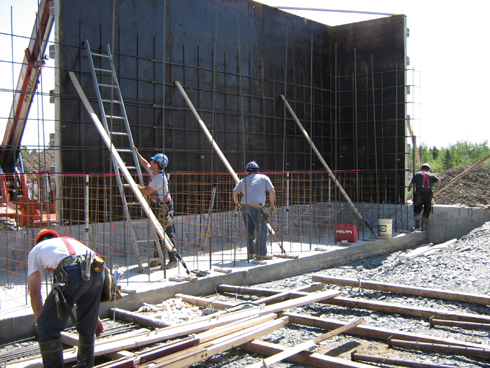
(57, 288)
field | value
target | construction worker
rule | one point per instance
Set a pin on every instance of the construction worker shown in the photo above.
(422, 183)
(254, 187)
(161, 201)
(65, 258)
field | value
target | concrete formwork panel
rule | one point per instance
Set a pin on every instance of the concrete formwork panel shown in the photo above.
(235, 59)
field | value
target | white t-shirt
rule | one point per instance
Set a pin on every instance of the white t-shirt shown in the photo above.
(48, 254)
(159, 184)
(256, 186)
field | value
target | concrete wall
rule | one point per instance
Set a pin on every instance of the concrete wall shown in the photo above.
(449, 222)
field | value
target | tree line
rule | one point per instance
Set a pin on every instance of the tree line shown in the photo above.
(458, 154)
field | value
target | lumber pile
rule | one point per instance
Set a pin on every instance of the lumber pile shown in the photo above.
(232, 325)
(192, 341)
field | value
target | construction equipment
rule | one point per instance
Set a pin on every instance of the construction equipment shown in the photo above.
(218, 150)
(330, 173)
(16, 202)
(116, 124)
(122, 167)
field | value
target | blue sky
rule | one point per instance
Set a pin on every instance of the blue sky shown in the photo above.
(446, 46)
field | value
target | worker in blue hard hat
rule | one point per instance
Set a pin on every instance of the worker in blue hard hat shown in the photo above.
(161, 201)
(254, 187)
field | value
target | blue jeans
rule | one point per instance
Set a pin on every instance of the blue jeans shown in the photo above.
(85, 294)
(255, 222)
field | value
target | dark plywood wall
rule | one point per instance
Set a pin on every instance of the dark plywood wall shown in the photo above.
(235, 59)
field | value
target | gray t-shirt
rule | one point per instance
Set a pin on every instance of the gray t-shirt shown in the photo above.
(254, 187)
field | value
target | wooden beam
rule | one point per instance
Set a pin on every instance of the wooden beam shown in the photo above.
(404, 289)
(186, 358)
(105, 137)
(389, 361)
(205, 302)
(456, 350)
(467, 325)
(372, 332)
(306, 345)
(407, 310)
(139, 319)
(370, 305)
(314, 360)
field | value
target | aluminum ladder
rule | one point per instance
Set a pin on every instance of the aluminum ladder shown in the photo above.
(116, 124)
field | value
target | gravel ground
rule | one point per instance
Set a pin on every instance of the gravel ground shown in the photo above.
(462, 266)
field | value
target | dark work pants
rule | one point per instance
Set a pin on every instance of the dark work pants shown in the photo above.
(423, 202)
(85, 294)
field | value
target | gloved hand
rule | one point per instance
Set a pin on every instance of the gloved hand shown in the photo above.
(271, 210)
(410, 190)
(238, 208)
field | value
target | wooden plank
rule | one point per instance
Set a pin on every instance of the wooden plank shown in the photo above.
(456, 350)
(234, 327)
(184, 359)
(407, 310)
(306, 345)
(222, 270)
(139, 196)
(205, 302)
(233, 289)
(314, 360)
(278, 307)
(370, 305)
(139, 319)
(404, 289)
(374, 333)
(398, 362)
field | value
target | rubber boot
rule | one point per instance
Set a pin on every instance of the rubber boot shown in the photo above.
(418, 225)
(425, 223)
(85, 355)
(52, 354)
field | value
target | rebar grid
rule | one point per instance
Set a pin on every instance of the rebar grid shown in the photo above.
(309, 208)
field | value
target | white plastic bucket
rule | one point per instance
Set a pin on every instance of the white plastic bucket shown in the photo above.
(384, 228)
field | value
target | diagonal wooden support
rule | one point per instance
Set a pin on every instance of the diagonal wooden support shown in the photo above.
(158, 226)
(216, 148)
(320, 157)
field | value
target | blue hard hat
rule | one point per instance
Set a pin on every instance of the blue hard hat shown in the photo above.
(161, 159)
(252, 166)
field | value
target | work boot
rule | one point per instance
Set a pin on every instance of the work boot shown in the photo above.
(155, 262)
(418, 225)
(171, 264)
(425, 223)
(52, 354)
(85, 355)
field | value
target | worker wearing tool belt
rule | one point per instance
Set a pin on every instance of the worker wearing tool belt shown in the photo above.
(161, 201)
(74, 282)
(254, 187)
(422, 183)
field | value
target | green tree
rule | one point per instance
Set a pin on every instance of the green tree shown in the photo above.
(448, 159)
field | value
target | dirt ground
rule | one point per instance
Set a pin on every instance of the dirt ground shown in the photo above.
(472, 190)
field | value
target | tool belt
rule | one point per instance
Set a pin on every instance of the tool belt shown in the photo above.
(59, 273)
(165, 212)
